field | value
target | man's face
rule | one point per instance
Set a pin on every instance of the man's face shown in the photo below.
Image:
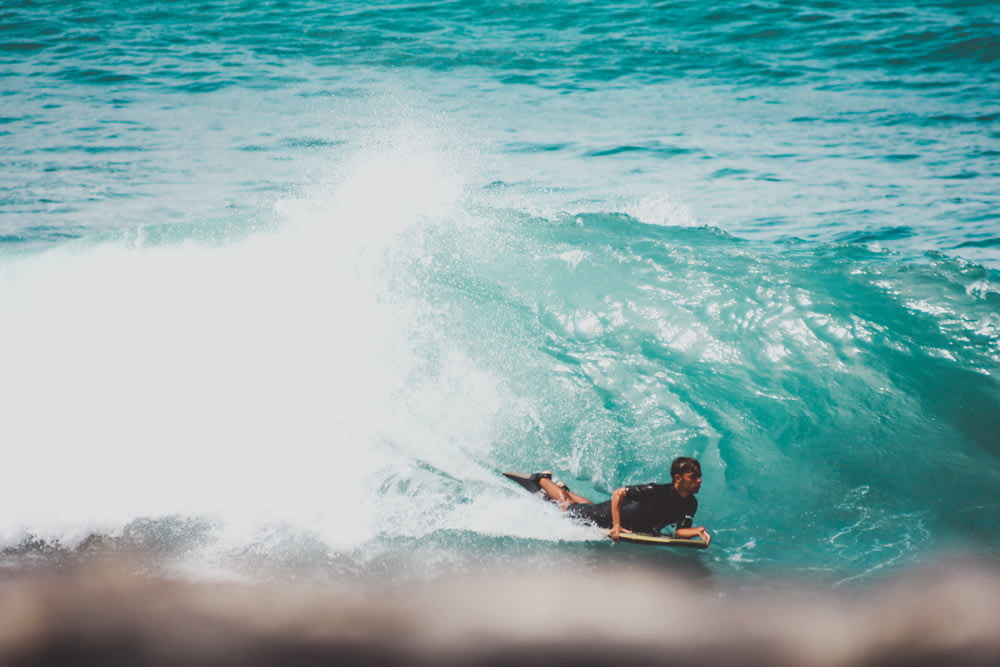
(689, 482)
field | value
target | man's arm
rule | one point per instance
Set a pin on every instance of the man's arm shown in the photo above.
(697, 531)
(617, 498)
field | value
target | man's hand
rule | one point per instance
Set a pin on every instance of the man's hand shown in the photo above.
(616, 531)
(697, 531)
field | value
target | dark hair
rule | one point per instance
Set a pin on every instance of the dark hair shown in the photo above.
(684, 464)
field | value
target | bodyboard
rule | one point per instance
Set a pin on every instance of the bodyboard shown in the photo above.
(526, 482)
(649, 539)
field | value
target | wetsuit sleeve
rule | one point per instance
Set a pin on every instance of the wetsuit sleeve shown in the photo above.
(689, 511)
(639, 493)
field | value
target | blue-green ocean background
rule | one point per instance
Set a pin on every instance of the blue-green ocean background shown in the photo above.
(284, 286)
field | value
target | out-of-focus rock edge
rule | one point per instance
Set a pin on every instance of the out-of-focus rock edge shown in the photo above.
(945, 615)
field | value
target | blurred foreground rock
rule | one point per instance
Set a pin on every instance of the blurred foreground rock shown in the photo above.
(941, 616)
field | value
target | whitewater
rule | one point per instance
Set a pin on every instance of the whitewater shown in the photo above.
(284, 288)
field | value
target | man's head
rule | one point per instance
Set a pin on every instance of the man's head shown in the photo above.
(686, 474)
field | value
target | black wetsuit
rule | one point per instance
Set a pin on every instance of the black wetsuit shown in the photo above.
(648, 508)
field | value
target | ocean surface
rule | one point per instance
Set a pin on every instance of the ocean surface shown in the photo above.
(284, 286)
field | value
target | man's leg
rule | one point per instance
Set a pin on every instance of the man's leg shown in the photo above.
(560, 494)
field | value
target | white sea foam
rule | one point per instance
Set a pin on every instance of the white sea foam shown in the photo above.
(264, 382)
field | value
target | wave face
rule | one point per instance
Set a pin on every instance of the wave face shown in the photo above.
(284, 288)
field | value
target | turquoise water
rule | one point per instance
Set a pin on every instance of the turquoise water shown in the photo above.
(284, 286)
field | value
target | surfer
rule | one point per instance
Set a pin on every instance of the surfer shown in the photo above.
(647, 508)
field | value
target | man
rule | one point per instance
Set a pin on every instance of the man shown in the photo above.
(648, 508)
